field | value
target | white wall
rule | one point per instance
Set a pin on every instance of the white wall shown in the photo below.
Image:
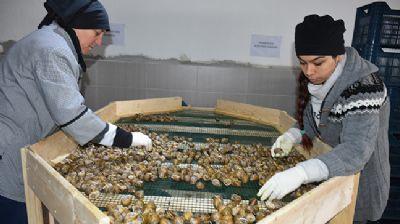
(202, 30)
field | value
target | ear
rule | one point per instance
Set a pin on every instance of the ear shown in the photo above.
(338, 58)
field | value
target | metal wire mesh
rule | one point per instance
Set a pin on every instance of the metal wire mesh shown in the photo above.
(210, 122)
(182, 196)
(180, 201)
(205, 130)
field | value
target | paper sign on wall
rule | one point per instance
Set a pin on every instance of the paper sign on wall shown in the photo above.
(116, 35)
(265, 46)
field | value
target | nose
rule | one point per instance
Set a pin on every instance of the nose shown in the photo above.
(99, 40)
(310, 70)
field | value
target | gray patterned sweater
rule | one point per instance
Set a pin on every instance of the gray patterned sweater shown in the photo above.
(354, 121)
(39, 92)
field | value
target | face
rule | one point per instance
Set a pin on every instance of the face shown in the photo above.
(318, 68)
(89, 38)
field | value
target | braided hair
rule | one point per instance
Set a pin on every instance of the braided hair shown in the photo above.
(303, 96)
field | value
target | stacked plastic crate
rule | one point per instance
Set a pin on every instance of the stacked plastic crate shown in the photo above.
(377, 38)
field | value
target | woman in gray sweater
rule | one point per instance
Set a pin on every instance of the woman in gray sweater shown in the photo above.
(39, 94)
(342, 101)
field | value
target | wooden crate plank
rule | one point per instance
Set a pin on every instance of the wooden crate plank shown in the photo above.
(50, 191)
(108, 113)
(33, 203)
(62, 199)
(148, 106)
(54, 146)
(249, 112)
(285, 121)
(87, 212)
(346, 215)
(209, 109)
(317, 206)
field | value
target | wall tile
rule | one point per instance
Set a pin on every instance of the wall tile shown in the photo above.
(209, 99)
(106, 95)
(90, 95)
(188, 96)
(275, 81)
(90, 77)
(134, 94)
(171, 76)
(135, 75)
(222, 79)
(112, 73)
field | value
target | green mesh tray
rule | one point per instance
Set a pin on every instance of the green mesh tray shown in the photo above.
(199, 125)
(206, 122)
(180, 201)
(161, 187)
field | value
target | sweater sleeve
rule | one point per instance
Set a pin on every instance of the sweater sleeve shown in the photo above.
(114, 136)
(57, 76)
(358, 110)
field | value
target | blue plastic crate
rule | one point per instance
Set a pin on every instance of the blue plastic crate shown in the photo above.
(390, 30)
(394, 141)
(389, 67)
(394, 120)
(394, 129)
(393, 150)
(377, 25)
(394, 94)
(387, 62)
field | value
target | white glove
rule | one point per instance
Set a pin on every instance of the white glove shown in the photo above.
(289, 180)
(282, 183)
(284, 142)
(139, 139)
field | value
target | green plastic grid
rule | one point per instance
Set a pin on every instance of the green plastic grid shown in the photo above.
(180, 201)
(182, 196)
(208, 130)
(206, 122)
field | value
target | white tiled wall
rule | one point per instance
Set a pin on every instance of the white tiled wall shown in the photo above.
(199, 85)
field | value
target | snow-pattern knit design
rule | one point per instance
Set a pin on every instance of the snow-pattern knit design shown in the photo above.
(363, 97)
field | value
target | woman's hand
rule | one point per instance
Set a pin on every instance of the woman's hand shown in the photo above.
(140, 139)
(282, 183)
(283, 145)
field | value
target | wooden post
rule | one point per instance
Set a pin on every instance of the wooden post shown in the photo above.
(33, 204)
(346, 216)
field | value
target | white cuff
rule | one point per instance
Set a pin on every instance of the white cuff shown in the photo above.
(295, 135)
(315, 169)
(109, 136)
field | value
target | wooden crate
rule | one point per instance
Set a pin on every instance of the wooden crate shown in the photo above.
(332, 201)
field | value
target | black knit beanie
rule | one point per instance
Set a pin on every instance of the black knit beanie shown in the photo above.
(319, 35)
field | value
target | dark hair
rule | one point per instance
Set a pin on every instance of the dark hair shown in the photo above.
(303, 96)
